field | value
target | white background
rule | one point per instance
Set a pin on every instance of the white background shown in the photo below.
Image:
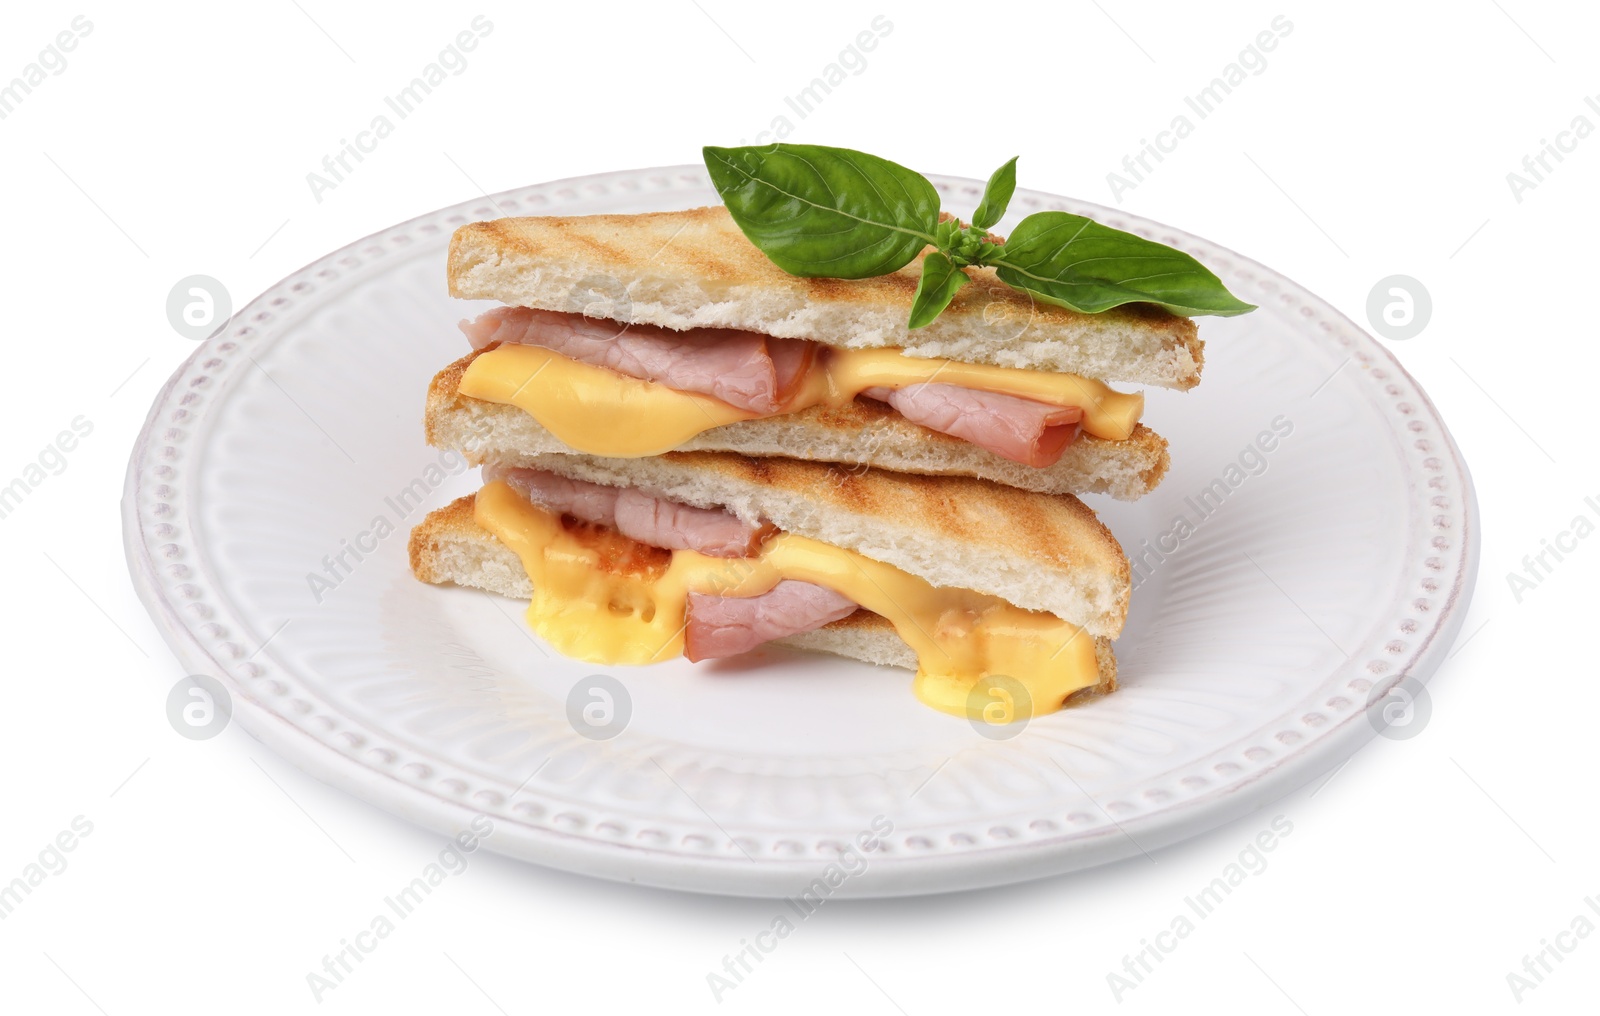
(1376, 141)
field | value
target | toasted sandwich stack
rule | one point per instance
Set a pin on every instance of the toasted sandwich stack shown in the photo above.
(688, 451)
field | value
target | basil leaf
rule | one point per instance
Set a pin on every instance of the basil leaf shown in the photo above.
(996, 195)
(937, 287)
(826, 212)
(1080, 264)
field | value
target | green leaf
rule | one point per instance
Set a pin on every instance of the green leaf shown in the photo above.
(937, 287)
(996, 195)
(1077, 263)
(826, 212)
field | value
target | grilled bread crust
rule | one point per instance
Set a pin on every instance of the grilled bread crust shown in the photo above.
(695, 268)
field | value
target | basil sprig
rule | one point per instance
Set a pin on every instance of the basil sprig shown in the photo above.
(835, 213)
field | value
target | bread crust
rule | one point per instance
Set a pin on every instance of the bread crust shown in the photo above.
(692, 268)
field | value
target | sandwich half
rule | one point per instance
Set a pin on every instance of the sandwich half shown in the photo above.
(998, 599)
(625, 336)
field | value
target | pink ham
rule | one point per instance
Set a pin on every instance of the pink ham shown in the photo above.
(1023, 430)
(721, 626)
(663, 523)
(637, 515)
(591, 502)
(744, 369)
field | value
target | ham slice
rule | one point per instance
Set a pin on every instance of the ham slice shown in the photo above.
(1023, 430)
(747, 370)
(636, 514)
(663, 523)
(721, 626)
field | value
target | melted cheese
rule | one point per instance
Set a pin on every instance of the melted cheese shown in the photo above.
(977, 654)
(601, 412)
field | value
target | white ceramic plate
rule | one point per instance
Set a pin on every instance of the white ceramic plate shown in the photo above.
(1291, 586)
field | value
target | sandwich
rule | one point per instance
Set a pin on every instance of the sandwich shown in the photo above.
(634, 335)
(1003, 601)
(707, 431)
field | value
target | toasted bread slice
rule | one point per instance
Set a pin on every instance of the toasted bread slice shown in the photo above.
(448, 546)
(859, 434)
(695, 268)
(1038, 551)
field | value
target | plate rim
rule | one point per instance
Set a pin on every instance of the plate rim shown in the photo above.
(667, 867)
